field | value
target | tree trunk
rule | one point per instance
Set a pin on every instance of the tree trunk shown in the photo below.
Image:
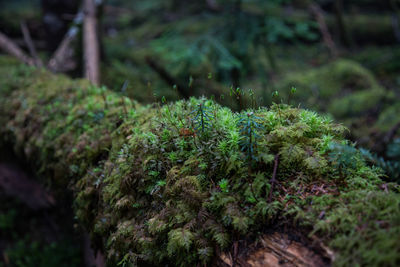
(90, 43)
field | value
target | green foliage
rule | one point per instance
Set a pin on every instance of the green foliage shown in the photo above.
(223, 185)
(179, 239)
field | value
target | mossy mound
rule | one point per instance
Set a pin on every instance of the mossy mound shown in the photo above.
(179, 182)
(349, 92)
(331, 88)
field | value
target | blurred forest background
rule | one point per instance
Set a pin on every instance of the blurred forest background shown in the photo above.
(337, 57)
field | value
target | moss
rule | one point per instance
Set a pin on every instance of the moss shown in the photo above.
(384, 61)
(359, 103)
(349, 92)
(388, 118)
(317, 87)
(152, 188)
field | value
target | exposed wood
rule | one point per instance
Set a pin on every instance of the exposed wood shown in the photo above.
(278, 250)
(7, 45)
(327, 37)
(91, 43)
(30, 45)
(17, 183)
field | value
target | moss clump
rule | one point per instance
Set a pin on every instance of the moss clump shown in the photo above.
(153, 187)
(350, 93)
(336, 81)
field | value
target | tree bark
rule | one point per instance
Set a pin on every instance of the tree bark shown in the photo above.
(90, 43)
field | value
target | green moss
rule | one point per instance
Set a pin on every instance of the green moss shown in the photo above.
(316, 88)
(359, 103)
(349, 92)
(388, 118)
(152, 188)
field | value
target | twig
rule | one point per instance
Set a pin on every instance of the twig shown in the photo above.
(30, 45)
(273, 180)
(11, 48)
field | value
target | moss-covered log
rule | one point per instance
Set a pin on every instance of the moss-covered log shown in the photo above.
(185, 182)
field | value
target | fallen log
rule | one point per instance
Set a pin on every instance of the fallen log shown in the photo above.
(168, 184)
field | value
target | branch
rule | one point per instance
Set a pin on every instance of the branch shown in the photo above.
(30, 45)
(90, 43)
(11, 48)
